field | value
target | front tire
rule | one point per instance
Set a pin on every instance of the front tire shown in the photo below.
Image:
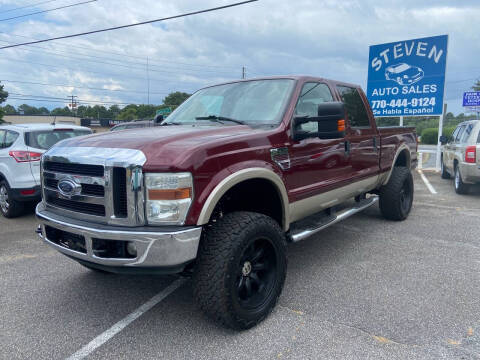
(241, 269)
(9, 207)
(460, 187)
(396, 197)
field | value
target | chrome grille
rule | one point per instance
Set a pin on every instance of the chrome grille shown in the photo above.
(103, 191)
(79, 169)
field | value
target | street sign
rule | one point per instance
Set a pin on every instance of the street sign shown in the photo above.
(164, 111)
(471, 98)
(407, 78)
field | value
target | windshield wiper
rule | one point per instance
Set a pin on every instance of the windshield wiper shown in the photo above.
(219, 119)
(170, 123)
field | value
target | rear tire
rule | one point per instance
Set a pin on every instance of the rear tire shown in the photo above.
(8, 207)
(460, 187)
(240, 269)
(396, 197)
(445, 174)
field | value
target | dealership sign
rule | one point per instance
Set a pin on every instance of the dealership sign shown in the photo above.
(471, 98)
(407, 78)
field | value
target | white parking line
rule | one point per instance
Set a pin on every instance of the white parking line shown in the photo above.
(427, 183)
(119, 326)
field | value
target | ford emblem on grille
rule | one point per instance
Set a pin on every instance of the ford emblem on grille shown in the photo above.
(69, 188)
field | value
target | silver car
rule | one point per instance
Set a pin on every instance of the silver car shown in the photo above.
(461, 155)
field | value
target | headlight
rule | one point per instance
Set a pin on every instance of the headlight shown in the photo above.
(168, 197)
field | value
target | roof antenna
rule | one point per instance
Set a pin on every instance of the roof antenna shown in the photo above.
(53, 122)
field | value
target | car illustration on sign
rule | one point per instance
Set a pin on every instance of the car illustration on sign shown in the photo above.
(404, 74)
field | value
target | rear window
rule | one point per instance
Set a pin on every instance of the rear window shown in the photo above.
(45, 139)
(466, 133)
(10, 138)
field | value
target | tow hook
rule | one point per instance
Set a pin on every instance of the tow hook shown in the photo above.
(38, 230)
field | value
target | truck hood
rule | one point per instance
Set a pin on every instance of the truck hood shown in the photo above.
(166, 147)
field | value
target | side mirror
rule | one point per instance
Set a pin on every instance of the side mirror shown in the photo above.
(443, 139)
(158, 120)
(330, 119)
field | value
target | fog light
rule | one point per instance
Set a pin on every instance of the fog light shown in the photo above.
(131, 249)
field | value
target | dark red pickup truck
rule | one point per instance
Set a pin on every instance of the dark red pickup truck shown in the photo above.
(219, 188)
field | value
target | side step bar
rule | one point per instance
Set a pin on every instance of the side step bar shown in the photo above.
(303, 233)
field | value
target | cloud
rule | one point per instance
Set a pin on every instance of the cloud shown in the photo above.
(323, 38)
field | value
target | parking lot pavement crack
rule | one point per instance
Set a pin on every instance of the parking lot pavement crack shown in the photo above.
(7, 259)
(380, 339)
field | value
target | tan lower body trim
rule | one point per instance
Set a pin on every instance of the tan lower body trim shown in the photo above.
(305, 207)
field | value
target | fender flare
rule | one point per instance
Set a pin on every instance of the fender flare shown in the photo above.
(236, 178)
(400, 149)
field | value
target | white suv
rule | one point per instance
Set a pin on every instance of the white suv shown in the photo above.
(21, 147)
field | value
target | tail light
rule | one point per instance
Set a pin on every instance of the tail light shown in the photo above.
(25, 156)
(471, 154)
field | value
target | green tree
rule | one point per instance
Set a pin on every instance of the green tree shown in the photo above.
(113, 111)
(175, 98)
(61, 111)
(25, 109)
(43, 111)
(3, 97)
(9, 110)
(128, 113)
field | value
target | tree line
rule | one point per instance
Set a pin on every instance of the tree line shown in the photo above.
(127, 113)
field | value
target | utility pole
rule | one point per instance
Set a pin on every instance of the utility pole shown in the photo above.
(73, 104)
(244, 72)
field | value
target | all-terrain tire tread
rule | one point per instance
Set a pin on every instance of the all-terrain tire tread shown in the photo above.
(389, 200)
(216, 250)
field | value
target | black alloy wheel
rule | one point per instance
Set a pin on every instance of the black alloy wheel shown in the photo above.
(256, 274)
(240, 269)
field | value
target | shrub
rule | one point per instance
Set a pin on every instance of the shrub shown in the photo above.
(430, 135)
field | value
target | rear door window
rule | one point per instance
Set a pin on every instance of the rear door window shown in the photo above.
(45, 139)
(10, 138)
(356, 112)
(459, 134)
(454, 134)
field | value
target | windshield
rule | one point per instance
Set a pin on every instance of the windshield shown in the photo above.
(256, 102)
(47, 138)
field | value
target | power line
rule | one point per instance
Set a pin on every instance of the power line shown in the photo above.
(27, 6)
(100, 72)
(131, 25)
(18, 96)
(69, 46)
(66, 101)
(44, 11)
(135, 65)
(82, 87)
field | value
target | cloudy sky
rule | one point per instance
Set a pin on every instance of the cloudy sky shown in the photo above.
(327, 38)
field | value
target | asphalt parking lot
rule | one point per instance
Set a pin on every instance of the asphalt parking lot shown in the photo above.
(364, 288)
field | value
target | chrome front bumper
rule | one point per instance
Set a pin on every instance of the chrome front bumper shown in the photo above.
(155, 249)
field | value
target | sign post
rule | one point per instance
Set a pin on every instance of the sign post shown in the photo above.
(407, 78)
